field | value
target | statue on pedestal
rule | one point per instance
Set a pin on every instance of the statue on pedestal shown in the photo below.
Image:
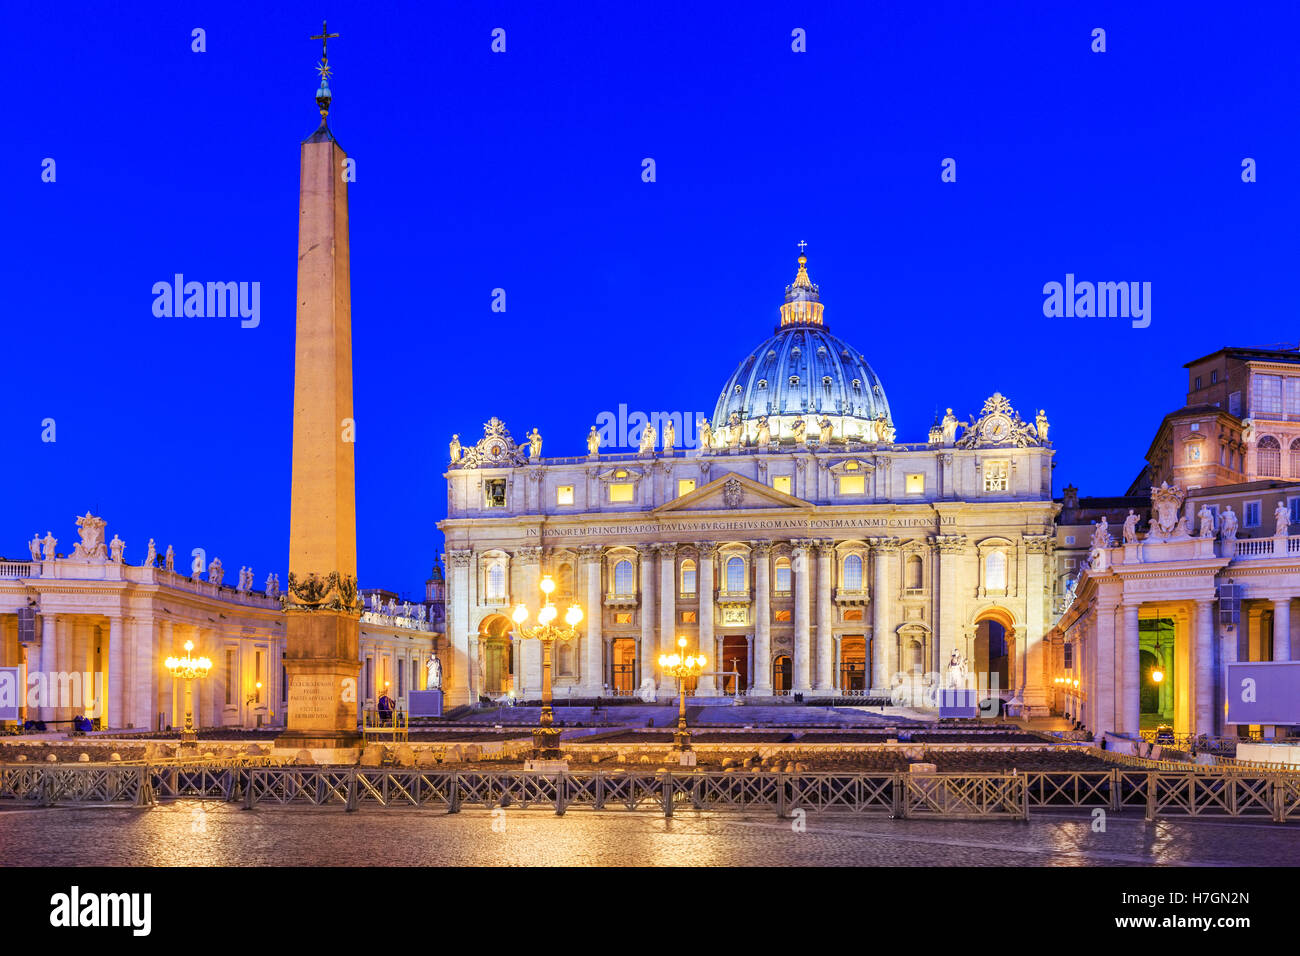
(670, 436)
(151, 555)
(957, 673)
(535, 445)
(1228, 524)
(1041, 424)
(50, 543)
(433, 673)
(648, 437)
(216, 572)
(1206, 517)
(117, 546)
(34, 546)
(1130, 528)
(949, 426)
(1281, 520)
(593, 442)
(735, 431)
(455, 449)
(706, 435)
(1101, 535)
(169, 559)
(800, 429)
(764, 433)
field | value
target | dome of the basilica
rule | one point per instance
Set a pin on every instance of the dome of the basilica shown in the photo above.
(801, 380)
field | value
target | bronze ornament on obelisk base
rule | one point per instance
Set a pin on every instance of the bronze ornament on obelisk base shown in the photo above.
(321, 604)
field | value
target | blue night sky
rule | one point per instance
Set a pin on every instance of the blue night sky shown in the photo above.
(523, 171)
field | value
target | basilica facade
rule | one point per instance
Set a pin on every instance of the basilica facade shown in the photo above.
(801, 546)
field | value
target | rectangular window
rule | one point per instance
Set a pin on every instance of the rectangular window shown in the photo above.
(369, 689)
(230, 676)
(623, 617)
(401, 681)
(494, 493)
(782, 484)
(1291, 395)
(685, 486)
(1293, 506)
(1214, 376)
(781, 615)
(564, 495)
(1234, 404)
(1069, 539)
(257, 677)
(621, 491)
(1198, 383)
(284, 685)
(1251, 517)
(1068, 659)
(1193, 452)
(688, 617)
(853, 484)
(853, 614)
(1266, 396)
(995, 476)
(915, 484)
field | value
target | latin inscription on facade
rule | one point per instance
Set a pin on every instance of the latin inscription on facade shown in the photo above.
(757, 524)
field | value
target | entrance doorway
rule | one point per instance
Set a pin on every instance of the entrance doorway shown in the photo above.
(853, 663)
(735, 657)
(991, 656)
(782, 675)
(624, 665)
(498, 652)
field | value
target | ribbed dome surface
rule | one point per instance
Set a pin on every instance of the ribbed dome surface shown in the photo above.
(803, 370)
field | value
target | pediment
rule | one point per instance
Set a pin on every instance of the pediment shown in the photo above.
(733, 492)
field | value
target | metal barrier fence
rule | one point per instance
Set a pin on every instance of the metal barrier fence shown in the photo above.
(1154, 793)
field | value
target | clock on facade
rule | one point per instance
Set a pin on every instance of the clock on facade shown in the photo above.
(996, 428)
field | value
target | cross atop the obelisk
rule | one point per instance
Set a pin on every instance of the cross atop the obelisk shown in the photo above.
(325, 37)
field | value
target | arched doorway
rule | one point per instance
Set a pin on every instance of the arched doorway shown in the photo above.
(782, 675)
(853, 663)
(1150, 691)
(991, 664)
(623, 663)
(498, 652)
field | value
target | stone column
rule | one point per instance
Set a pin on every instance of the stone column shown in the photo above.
(529, 661)
(115, 706)
(704, 586)
(801, 566)
(166, 702)
(948, 600)
(594, 669)
(825, 680)
(1203, 668)
(1227, 655)
(1031, 687)
(760, 671)
(648, 652)
(1282, 628)
(1105, 670)
(884, 660)
(144, 662)
(1128, 677)
(459, 678)
(48, 664)
(668, 615)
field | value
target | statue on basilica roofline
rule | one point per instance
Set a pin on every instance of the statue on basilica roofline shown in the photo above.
(455, 449)
(764, 433)
(705, 435)
(34, 546)
(1041, 424)
(1101, 535)
(116, 547)
(825, 431)
(800, 429)
(670, 436)
(949, 426)
(535, 445)
(648, 437)
(169, 559)
(735, 430)
(593, 442)
(151, 555)
(49, 542)
(1281, 520)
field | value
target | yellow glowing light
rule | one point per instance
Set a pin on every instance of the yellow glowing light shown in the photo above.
(681, 642)
(574, 616)
(546, 615)
(1157, 675)
(547, 585)
(521, 614)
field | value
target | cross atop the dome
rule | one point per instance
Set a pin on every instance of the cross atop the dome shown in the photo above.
(802, 245)
(325, 37)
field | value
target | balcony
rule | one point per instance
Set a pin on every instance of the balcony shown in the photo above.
(733, 597)
(622, 600)
(851, 596)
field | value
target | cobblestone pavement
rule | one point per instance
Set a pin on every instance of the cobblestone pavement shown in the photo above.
(195, 833)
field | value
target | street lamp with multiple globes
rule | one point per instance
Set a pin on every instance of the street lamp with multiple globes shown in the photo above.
(682, 665)
(546, 738)
(188, 669)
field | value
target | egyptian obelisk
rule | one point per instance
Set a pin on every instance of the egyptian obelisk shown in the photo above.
(321, 604)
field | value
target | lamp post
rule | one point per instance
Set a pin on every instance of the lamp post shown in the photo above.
(188, 669)
(682, 666)
(546, 738)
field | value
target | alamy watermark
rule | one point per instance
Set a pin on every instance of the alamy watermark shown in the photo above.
(210, 300)
(1102, 300)
(624, 429)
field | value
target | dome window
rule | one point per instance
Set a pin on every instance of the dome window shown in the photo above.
(771, 354)
(822, 351)
(857, 385)
(795, 352)
(762, 383)
(739, 389)
(826, 380)
(794, 379)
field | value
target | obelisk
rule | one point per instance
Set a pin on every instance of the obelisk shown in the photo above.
(321, 604)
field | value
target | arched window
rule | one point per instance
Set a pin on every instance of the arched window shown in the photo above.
(735, 574)
(566, 659)
(624, 578)
(496, 583)
(688, 576)
(995, 571)
(1295, 458)
(1268, 457)
(914, 572)
(783, 575)
(853, 573)
(564, 579)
